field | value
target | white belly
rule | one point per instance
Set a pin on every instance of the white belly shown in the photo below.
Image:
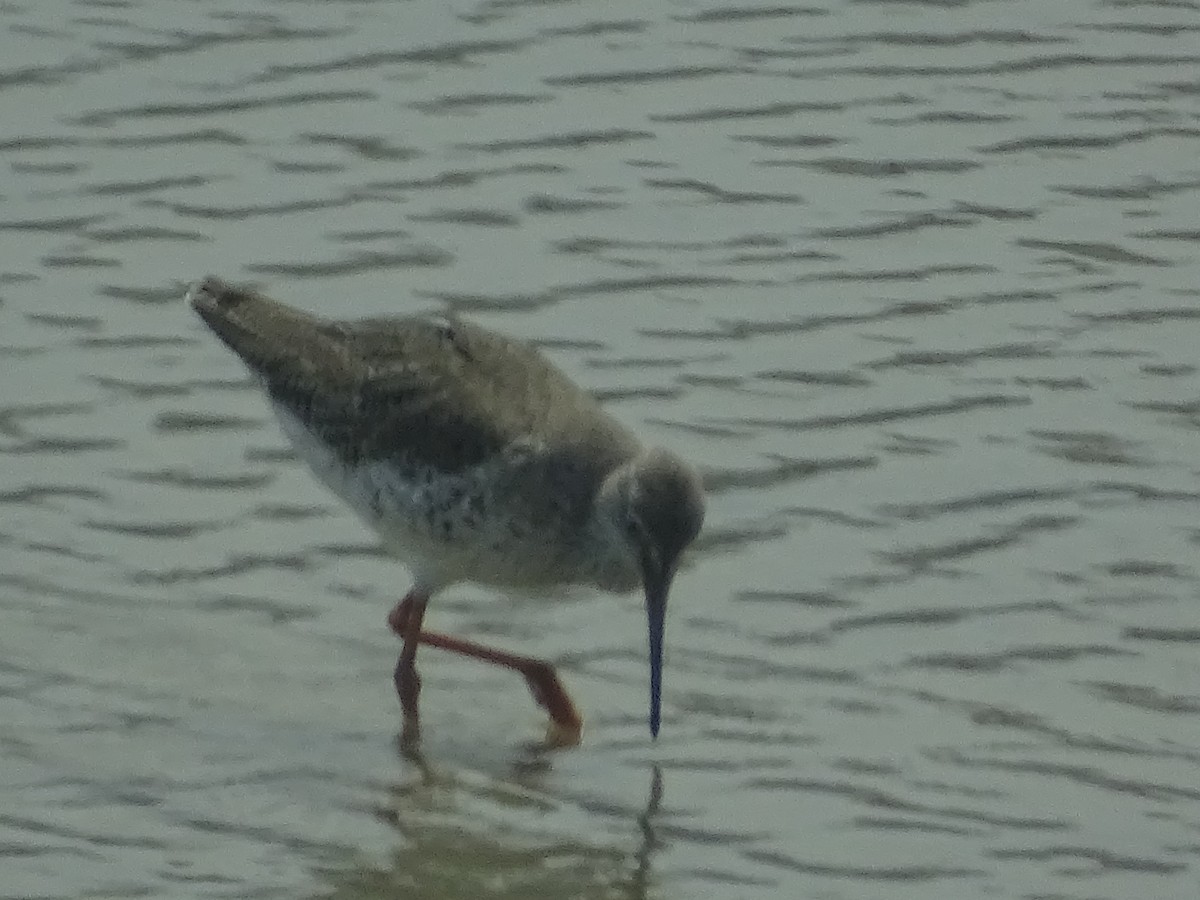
(428, 520)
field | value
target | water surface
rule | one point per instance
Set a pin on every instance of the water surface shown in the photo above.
(914, 284)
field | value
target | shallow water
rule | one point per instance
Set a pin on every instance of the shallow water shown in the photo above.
(914, 284)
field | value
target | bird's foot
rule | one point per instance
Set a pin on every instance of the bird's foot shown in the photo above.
(410, 734)
(560, 736)
(566, 725)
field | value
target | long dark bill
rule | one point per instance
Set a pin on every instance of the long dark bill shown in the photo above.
(656, 610)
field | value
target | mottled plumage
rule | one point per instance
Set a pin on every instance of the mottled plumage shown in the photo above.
(471, 455)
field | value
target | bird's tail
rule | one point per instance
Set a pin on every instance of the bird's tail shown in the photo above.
(274, 340)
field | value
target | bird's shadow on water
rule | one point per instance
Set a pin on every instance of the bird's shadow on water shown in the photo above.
(469, 834)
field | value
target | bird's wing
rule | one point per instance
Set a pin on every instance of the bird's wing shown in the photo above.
(445, 394)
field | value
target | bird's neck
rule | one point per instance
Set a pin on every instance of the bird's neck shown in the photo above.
(615, 569)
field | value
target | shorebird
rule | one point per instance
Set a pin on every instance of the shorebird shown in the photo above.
(474, 459)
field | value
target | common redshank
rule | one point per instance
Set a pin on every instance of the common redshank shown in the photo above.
(474, 459)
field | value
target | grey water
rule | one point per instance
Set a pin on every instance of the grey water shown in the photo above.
(915, 284)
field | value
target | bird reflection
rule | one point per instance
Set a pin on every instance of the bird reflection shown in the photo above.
(650, 844)
(459, 836)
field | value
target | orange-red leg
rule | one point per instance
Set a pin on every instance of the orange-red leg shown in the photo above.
(548, 692)
(408, 614)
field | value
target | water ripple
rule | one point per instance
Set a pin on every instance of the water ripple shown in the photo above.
(919, 299)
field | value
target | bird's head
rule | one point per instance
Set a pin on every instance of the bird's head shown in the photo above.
(663, 512)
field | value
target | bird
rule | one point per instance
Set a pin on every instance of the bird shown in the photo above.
(474, 459)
